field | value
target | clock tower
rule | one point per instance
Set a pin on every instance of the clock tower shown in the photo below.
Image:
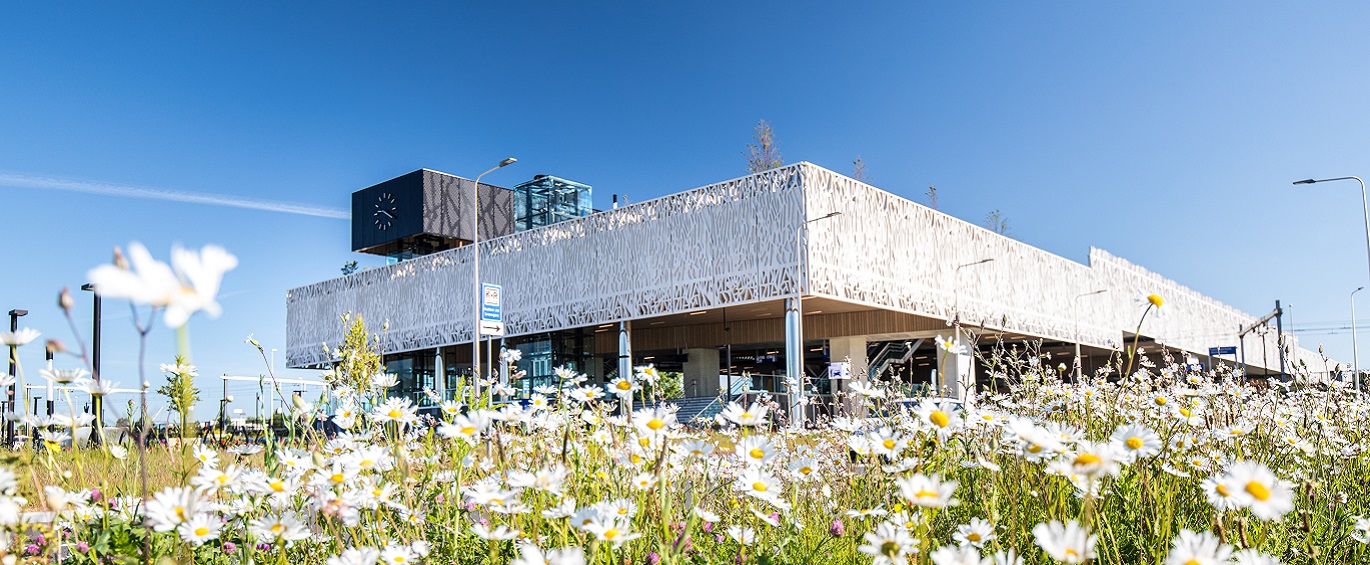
(425, 212)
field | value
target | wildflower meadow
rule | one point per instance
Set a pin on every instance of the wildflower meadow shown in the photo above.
(1143, 462)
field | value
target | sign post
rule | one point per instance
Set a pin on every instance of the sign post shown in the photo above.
(1225, 350)
(492, 310)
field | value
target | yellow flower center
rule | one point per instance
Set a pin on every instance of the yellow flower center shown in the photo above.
(889, 444)
(655, 424)
(1155, 300)
(644, 442)
(336, 477)
(1258, 491)
(1034, 448)
(1070, 552)
(276, 528)
(889, 548)
(757, 453)
(939, 418)
(278, 486)
(393, 413)
(181, 513)
(973, 536)
(759, 486)
(805, 470)
(468, 431)
(1134, 443)
(925, 494)
(1160, 401)
(1087, 459)
(1222, 489)
(624, 385)
(611, 533)
(1193, 562)
(201, 531)
(366, 463)
(1186, 412)
(636, 458)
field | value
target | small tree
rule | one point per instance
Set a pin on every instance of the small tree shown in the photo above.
(858, 170)
(764, 154)
(669, 385)
(349, 268)
(358, 360)
(996, 222)
(932, 197)
(181, 392)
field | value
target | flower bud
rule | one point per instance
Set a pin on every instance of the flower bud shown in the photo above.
(55, 346)
(119, 259)
(64, 299)
(838, 529)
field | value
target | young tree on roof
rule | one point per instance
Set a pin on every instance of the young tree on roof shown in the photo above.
(764, 154)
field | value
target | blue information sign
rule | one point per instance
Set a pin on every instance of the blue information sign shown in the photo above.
(491, 309)
(1229, 350)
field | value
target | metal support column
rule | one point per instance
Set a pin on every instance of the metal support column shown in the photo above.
(794, 359)
(625, 358)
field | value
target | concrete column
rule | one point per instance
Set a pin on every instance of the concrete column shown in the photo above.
(956, 371)
(849, 349)
(701, 372)
(439, 373)
(794, 358)
(625, 359)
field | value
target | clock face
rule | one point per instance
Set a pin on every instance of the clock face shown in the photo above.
(386, 211)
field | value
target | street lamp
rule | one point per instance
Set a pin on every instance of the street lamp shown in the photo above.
(98, 401)
(1076, 315)
(475, 274)
(956, 288)
(1355, 347)
(1365, 207)
(14, 360)
(794, 326)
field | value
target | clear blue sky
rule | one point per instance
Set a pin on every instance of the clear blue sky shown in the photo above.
(1167, 133)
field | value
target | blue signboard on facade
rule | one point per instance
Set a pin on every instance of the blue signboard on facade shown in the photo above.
(1229, 350)
(491, 308)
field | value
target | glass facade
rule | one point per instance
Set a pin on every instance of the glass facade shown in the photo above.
(546, 200)
(415, 370)
(543, 353)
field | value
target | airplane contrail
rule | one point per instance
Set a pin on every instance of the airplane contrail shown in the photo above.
(108, 189)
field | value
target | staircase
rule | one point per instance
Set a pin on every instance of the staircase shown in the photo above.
(691, 409)
(886, 353)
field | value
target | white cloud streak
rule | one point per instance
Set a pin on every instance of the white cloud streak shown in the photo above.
(107, 189)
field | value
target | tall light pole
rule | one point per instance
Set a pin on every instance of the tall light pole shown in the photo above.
(1365, 208)
(1355, 347)
(14, 360)
(955, 322)
(955, 287)
(475, 275)
(1076, 315)
(97, 402)
(794, 326)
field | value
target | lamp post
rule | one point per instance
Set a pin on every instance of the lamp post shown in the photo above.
(14, 360)
(794, 326)
(955, 322)
(475, 275)
(1355, 347)
(98, 402)
(956, 288)
(1076, 314)
(50, 396)
(1365, 208)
